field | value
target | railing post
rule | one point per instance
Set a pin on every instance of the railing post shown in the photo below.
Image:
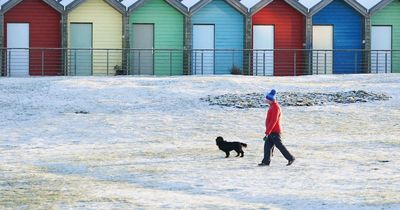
(325, 62)
(170, 62)
(250, 61)
(310, 57)
(91, 56)
(385, 61)
(294, 63)
(317, 62)
(9, 63)
(214, 52)
(202, 62)
(67, 62)
(108, 61)
(355, 61)
(128, 61)
(63, 61)
(256, 63)
(75, 63)
(195, 62)
(42, 62)
(377, 62)
(369, 56)
(1, 62)
(264, 62)
(139, 64)
(233, 58)
(189, 54)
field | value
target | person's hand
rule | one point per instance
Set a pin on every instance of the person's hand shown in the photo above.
(265, 138)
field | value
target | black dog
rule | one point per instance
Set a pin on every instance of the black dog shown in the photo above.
(229, 146)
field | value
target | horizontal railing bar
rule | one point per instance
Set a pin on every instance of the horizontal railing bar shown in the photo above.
(204, 49)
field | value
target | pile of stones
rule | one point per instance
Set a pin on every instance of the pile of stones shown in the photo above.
(256, 100)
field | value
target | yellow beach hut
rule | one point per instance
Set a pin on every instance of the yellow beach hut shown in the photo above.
(95, 37)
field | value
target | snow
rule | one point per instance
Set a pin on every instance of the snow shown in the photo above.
(149, 142)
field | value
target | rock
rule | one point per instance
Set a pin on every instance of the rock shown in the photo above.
(256, 100)
(81, 112)
(383, 161)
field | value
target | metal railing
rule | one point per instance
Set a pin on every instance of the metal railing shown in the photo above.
(260, 62)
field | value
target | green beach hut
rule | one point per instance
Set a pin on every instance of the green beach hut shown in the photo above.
(156, 37)
(385, 37)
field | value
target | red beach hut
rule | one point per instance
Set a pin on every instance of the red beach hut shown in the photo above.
(32, 24)
(278, 37)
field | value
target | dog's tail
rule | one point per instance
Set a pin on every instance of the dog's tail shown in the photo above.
(243, 144)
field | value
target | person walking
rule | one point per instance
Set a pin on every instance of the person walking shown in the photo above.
(273, 130)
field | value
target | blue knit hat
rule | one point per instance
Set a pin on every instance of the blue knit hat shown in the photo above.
(271, 95)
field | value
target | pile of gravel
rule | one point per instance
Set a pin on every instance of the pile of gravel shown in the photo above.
(256, 100)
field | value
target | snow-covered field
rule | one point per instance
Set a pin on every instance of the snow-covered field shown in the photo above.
(149, 143)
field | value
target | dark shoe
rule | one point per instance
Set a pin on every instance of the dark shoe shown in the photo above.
(263, 164)
(290, 162)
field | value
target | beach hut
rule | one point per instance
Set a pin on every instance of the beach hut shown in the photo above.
(278, 25)
(95, 36)
(28, 27)
(337, 25)
(385, 36)
(217, 36)
(156, 37)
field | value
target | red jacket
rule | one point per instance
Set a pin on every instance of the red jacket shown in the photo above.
(273, 120)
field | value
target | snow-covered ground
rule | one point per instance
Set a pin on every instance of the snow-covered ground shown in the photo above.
(149, 142)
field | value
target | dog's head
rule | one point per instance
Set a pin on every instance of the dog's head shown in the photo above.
(219, 140)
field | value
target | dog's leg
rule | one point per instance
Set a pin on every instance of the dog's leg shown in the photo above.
(242, 153)
(227, 154)
(238, 153)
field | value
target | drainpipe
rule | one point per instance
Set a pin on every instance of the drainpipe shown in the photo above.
(187, 45)
(64, 42)
(367, 44)
(247, 70)
(125, 42)
(309, 44)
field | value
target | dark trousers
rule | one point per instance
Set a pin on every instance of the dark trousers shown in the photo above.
(274, 139)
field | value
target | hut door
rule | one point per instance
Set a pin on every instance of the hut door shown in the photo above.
(322, 42)
(203, 49)
(142, 52)
(263, 54)
(381, 46)
(81, 49)
(18, 59)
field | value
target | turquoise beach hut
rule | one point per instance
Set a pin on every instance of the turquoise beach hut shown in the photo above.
(218, 36)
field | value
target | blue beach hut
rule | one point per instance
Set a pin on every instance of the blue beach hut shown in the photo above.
(337, 25)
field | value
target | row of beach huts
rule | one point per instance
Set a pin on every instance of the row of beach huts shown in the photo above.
(84, 26)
